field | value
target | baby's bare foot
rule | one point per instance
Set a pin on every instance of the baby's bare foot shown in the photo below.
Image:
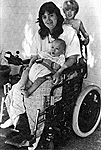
(6, 124)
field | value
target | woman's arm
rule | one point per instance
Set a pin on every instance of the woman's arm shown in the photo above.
(70, 61)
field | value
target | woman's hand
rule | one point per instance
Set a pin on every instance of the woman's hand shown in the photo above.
(56, 78)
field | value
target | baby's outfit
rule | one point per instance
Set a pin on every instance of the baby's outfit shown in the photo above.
(39, 70)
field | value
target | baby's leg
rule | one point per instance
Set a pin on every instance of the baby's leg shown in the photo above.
(24, 79)
(25, 91)
(7, 123)
(33, 86)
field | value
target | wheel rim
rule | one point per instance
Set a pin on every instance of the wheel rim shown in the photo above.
(89, 111)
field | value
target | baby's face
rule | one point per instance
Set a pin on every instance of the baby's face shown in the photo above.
(56, 49)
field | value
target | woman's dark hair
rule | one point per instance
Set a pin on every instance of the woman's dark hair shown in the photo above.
(51, 8)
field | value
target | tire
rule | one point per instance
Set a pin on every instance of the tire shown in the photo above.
(87, 112)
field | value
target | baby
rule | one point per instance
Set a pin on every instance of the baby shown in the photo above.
(46, 64)
(70, 9)
(33, 77)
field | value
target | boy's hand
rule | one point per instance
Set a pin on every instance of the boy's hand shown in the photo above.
(85, 42)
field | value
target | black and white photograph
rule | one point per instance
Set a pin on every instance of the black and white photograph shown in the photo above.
(50, 75)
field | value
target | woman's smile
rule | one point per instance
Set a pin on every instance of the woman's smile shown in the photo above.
(50, 25)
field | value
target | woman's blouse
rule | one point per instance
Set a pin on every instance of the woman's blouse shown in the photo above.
(72, 41)
(69, 36)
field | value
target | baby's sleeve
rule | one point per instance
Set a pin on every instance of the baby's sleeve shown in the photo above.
(61, 60)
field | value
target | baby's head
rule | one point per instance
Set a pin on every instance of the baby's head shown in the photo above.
(70, 8)
(58, 47)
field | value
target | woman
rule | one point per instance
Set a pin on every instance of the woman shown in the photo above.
(51, 27)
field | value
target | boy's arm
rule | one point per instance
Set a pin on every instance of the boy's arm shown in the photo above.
(84, 33)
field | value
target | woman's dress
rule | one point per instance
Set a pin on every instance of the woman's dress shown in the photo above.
(36, 100)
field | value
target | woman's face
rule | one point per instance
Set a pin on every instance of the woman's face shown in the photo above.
(49, 20)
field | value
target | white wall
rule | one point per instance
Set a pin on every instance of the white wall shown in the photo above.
(17, 26)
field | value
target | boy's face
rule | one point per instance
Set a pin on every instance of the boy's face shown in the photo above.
(56, 49)
(69, 12)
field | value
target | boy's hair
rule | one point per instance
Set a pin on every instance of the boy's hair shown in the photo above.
(72, 4)
(62, 43)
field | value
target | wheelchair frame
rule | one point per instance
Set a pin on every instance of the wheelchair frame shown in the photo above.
(63, 116)
(68, 114)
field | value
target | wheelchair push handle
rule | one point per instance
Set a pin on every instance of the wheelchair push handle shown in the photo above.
(15, 59)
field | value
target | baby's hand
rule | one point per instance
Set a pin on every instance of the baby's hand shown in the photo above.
(25, 93)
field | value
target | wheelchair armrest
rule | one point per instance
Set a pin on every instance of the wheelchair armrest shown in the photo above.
(80, 67)
(26, 61)
(78, 70)
(55, 87)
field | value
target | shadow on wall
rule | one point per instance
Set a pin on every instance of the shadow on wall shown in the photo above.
(18, 27)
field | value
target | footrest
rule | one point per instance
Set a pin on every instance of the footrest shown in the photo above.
(7, 132)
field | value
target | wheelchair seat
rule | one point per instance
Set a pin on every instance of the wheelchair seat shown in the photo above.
(76, 110)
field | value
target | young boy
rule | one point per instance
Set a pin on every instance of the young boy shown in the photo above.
(70, 9)
(34, 76)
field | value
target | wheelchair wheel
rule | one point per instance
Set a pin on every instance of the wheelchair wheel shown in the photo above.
(87, 112)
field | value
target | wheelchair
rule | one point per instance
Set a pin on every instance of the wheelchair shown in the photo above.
(77, 110)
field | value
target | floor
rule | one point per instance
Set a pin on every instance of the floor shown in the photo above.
(92, 142)
(4, 146)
